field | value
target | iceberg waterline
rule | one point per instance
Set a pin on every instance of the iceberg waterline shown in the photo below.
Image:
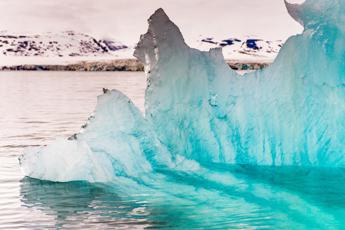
(199, 112)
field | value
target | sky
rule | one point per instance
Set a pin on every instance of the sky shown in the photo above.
(125, 20)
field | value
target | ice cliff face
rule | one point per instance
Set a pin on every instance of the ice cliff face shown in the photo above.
(198, 111)
(291, 113)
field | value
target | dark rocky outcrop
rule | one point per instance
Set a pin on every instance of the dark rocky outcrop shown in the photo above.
(118, 65)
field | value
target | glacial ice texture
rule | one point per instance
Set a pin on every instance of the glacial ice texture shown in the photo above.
(200, 112)
(292, 113)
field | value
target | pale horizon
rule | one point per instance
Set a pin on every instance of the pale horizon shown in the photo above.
(125, 20)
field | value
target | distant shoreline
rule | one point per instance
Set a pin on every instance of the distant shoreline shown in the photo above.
(132, 65)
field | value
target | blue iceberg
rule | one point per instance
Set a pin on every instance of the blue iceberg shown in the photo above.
(269, 145)
(292, 113)
(199, 112)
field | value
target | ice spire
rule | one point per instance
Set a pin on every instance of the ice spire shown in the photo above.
(162, 35)
(295, 11)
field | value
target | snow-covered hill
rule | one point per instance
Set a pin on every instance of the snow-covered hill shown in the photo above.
(244, 49)
(58, 48)
(72, 47)
(51, 45)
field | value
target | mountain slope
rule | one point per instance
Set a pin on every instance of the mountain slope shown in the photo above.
(52, 45)
(71, 47)
(245, 49)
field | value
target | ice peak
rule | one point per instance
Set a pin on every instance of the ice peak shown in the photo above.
(294, 11)
(159, 14)
(163, 29)
(315, 12)
(160, 41)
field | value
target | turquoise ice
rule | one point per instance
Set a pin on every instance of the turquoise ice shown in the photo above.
(210, 133)
(292, 113)
(199, 111)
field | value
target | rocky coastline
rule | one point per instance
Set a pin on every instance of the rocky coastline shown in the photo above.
(118, 65)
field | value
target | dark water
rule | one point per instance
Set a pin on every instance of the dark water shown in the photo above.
(36, 107)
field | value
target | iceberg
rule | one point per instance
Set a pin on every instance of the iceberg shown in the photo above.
(199, 112)
(214, 149)
(292, 113)
(115, 143)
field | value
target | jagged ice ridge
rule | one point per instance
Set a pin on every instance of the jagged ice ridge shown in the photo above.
(199, 111)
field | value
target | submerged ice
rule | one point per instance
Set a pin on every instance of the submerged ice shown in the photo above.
(199, 112)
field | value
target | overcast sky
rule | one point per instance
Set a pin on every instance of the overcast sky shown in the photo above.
(125, 20)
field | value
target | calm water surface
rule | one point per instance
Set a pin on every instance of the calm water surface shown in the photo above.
(36, 107)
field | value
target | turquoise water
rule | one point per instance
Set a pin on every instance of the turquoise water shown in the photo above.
(36, 106)
(263, 198)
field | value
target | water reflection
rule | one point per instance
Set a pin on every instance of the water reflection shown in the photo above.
(321, 186)
(84, 205)
(223, 197)
(80, 204)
